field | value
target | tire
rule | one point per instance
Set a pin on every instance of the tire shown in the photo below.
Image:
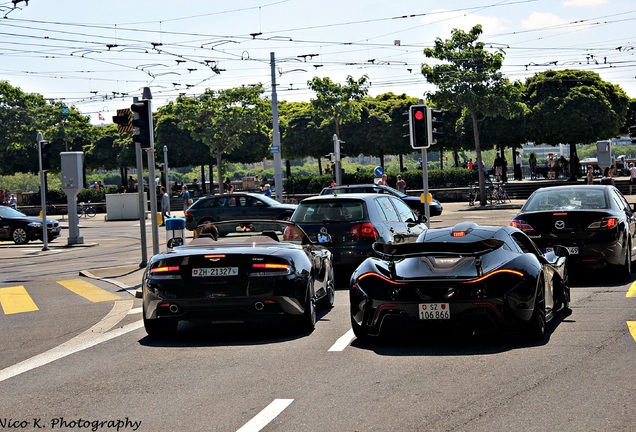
(160, 328)
(307, 321)
(359, 331)
(625, 270)
(535, 328)
(20, 236)
(329, 299)
(91, 212)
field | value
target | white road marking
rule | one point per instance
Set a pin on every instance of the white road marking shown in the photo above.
(269, 413)
(343, 341)
(135, 311)
(93, 336)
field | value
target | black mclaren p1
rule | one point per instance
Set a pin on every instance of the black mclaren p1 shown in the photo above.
(247, 276)
(469, 277)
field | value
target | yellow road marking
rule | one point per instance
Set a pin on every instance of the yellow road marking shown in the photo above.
(631, 292)
(16, 300)
(632, 328)
(88, 290)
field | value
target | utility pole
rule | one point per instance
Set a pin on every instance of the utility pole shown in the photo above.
(276, 149)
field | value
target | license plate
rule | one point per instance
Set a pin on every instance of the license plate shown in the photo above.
(434, 311)
(214, 271)
(574, 250)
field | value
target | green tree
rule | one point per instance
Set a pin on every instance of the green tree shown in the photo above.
(225, 120)
(470, 79)
(573, 106)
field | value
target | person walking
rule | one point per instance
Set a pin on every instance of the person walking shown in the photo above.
(268, 190)
(165, 206)
(13, 203)
(185, 197)
(518, 166)
(590, 174)
(383, 181)
(400, 184)
(532, 161)
(632, 176)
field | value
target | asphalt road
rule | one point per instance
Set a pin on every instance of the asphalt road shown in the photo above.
(82, 360)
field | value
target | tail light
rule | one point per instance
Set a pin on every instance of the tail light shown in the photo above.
(522, 225)
(164, 269)
(604, 223)
(363, 230)
(265, 269)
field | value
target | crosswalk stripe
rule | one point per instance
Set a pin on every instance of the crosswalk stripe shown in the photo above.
(88, 290)
(16, 300)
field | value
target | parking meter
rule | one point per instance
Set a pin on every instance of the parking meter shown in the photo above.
(175, 231)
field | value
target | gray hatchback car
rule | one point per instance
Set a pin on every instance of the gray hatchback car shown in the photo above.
(356, 221)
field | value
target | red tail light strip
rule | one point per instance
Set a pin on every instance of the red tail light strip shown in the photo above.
(379, 276)
(164, 269)
(486, 276)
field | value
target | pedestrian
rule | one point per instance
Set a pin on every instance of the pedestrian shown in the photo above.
(185, 197)
(400, 184)
(332, 183)
(632, 176)
(268, 190)
(498, 166)
(165, 206)
(532, 161)
(607, 177)
(383, 181)
(590, 174)
(13, 203)
(470, 164)
(518, 166)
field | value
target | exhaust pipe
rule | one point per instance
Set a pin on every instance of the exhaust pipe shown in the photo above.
(173, 308)
(259, 306)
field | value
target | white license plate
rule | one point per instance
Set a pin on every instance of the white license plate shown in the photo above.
(214, 271)
(572, 249)
(434, 311)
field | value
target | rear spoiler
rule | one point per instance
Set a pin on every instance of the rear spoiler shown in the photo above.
(391, 252)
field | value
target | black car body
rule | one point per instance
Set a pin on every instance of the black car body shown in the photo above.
(595, 222)
(234, 206)
(250, 276)
(414, 202)
(465, 277)
(20, 228)
(356, 221)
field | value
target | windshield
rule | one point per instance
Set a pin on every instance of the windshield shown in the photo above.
(8, 212)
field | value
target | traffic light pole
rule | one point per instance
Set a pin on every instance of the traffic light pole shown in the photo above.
(142, 205)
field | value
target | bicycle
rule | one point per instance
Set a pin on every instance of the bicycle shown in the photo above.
(86, 211)
(499, 194)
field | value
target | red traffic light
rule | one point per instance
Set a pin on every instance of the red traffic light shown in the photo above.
(418, 115)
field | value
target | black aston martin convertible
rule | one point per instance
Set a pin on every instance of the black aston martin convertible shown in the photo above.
(467, 276)
(246, 276)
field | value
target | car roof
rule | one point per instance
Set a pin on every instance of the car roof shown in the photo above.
(345, 197)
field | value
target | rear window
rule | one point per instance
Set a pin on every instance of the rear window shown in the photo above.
(570, 199)
(321, 211)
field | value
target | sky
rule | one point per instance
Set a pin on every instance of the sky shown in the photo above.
(97, 56)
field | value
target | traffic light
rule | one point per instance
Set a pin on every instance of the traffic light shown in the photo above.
(419, 122)
(141, 123)
(123, 120)
(45, 151)
(436, 125)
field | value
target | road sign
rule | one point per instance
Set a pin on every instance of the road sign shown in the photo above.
(274, 149)
(378, 171)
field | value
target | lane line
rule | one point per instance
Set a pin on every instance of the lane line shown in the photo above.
(631, 325)
(93, 336)
(269, 413)
(343, 342)
(88, 290)
(631, 292)
(16, 300)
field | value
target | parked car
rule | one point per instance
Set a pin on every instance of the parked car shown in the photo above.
(217, 208)
(414, 202)
(21, 229)
(595, 223)
(356, 221)
(250, 276)
(466, 277)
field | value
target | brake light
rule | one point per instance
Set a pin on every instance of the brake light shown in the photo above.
(164, 269)
(363, 230)
(604, 223)
(496, 272)
(381, 277)
(214, 256)
(522, 225)
(270, 266)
